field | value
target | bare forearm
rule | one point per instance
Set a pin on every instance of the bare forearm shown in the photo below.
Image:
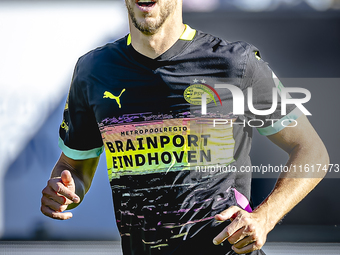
(83, 170)
(293, 186)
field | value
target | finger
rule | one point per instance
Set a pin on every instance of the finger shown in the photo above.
(257, 245)
(237, 236)
(245, 241)
(246, 230)
(230, 234)
(228, 214)
(67, 178)
(68, 181)
(240, 228)
(53, 204)
(55, 215)
(61, 189)
(48, 192)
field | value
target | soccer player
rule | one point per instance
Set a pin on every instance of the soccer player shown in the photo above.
(152, 99)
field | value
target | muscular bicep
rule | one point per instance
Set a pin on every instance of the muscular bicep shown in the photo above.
(84, 170)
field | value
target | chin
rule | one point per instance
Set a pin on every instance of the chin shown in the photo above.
(147, 27)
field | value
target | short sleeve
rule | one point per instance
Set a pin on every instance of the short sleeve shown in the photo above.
(262, 80)
(79, 136)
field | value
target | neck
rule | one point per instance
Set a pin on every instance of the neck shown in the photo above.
(156, 44)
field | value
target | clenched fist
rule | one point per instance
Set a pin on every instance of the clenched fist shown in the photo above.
(58, 195)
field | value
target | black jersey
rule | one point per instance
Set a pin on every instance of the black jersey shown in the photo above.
(170, 167)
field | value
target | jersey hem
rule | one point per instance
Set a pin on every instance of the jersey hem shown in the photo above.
(79, 155)
(293, 115)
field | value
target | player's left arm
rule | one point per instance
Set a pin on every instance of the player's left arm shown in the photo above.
(248, 231)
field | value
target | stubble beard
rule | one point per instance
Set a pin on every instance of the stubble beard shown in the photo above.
(148, 26)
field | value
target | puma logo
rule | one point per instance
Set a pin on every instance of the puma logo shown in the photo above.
(107, 94)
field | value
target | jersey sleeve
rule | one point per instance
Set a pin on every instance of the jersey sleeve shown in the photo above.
(262, 80)
(79, 136)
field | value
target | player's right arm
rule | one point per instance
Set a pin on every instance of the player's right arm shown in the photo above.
(69, 182)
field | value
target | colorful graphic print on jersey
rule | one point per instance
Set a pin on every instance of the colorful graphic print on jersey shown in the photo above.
(166, 145)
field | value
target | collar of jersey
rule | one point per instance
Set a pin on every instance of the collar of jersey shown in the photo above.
(185, 39)
(187, 35)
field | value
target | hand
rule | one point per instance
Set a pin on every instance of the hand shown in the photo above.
(247, 232)
(57, 195)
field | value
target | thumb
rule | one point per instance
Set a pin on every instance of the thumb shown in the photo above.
(230, 213)
(67, 178)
